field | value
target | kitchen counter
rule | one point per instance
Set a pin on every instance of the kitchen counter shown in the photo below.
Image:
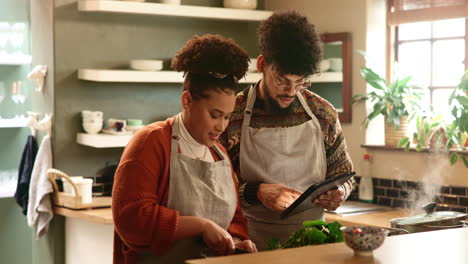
(443, 246)
(83, 226)
(380, 219)
(97, 216)
(104, 216)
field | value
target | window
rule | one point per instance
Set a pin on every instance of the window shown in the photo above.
(434, 54)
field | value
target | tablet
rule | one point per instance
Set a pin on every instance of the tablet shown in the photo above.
(316, 190)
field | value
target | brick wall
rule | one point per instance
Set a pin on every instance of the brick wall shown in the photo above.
(409, 194)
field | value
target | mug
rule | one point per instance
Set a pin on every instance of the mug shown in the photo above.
(134, 122)
(116, 124)
(91, 115)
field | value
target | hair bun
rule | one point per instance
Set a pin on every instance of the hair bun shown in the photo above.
(212, 53)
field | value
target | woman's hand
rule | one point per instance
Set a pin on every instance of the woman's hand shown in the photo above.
(217, 239)
(247, 245)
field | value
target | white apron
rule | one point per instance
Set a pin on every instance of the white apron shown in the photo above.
(196, 188)
(293, 156)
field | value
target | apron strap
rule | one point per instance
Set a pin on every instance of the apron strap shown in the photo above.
(251, 96)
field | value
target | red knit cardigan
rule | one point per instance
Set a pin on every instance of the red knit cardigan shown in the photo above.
(142, 221)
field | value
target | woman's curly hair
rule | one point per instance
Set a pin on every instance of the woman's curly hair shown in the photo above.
(211, 62)
(289, 42)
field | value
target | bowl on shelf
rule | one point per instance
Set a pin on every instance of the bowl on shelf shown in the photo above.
(364, 239)
(252, 65)
(240, 4)
(324, 65)
(336, 64)
(92, 127)
(146, 65)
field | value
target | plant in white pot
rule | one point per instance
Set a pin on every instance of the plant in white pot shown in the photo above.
(397, 102)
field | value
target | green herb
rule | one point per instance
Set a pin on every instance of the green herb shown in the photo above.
(313, 233)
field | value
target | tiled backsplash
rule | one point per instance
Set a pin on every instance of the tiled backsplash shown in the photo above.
(406, 194)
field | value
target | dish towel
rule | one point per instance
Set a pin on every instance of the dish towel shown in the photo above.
(24, 173)
(40, 205)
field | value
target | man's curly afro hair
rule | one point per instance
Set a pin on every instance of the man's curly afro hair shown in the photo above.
(289, 42)
(205, 56)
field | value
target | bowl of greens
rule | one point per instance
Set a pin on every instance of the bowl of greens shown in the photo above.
(363, 240)
(313, 233)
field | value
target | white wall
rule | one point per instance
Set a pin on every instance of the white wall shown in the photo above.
(365, 19)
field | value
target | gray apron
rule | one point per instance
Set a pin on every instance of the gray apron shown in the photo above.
(293, 156)
(196, 188)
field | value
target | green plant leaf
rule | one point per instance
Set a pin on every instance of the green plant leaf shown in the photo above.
(453, 158)
(407, 146)
(373, 78)
(273, 244)
(403, 141)
(313, 223)
(465, 160)
(419, 148)
(314, 236)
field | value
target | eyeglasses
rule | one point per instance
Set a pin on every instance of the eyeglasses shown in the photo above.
(283, 87)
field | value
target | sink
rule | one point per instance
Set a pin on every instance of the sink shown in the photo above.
(353, 207)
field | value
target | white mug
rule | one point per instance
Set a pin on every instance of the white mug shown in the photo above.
(91, 115)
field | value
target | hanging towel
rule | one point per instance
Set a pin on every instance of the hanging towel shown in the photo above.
(40, 204)
(24, 173)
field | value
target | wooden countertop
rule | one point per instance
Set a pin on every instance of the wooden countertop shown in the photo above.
(380, 219)
(444, 246)
(98, 216)
(104, 216)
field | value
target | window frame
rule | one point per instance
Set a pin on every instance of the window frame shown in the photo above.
(392, 52)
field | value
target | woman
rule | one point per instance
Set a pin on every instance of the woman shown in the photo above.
(174, 195)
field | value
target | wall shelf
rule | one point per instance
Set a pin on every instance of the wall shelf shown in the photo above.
(172, 10)
(103, 140)
(326, 77)
(15, 59)
(131, 76)
(103, 75)
(13, 122)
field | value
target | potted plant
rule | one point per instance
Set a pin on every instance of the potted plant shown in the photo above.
(458, 130)
(436, 134)
(430, 133)
(396, 101)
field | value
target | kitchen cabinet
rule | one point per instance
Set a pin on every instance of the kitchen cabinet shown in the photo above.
(337, 50)
(133, 76)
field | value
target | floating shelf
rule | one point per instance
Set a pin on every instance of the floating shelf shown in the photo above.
(13, 122)
(326, 77)
(172, 10)
(104, 75)
(103, 140)
(15, 59)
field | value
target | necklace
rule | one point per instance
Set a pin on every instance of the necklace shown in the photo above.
(198, 158)
(188, 146)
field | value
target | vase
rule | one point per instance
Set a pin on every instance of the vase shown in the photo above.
(393, 135)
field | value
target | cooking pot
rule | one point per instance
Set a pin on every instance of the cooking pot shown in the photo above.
(430, 222)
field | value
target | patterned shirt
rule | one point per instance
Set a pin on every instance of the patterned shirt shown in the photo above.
(338, 159)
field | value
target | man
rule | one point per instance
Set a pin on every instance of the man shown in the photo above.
(282, 138)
